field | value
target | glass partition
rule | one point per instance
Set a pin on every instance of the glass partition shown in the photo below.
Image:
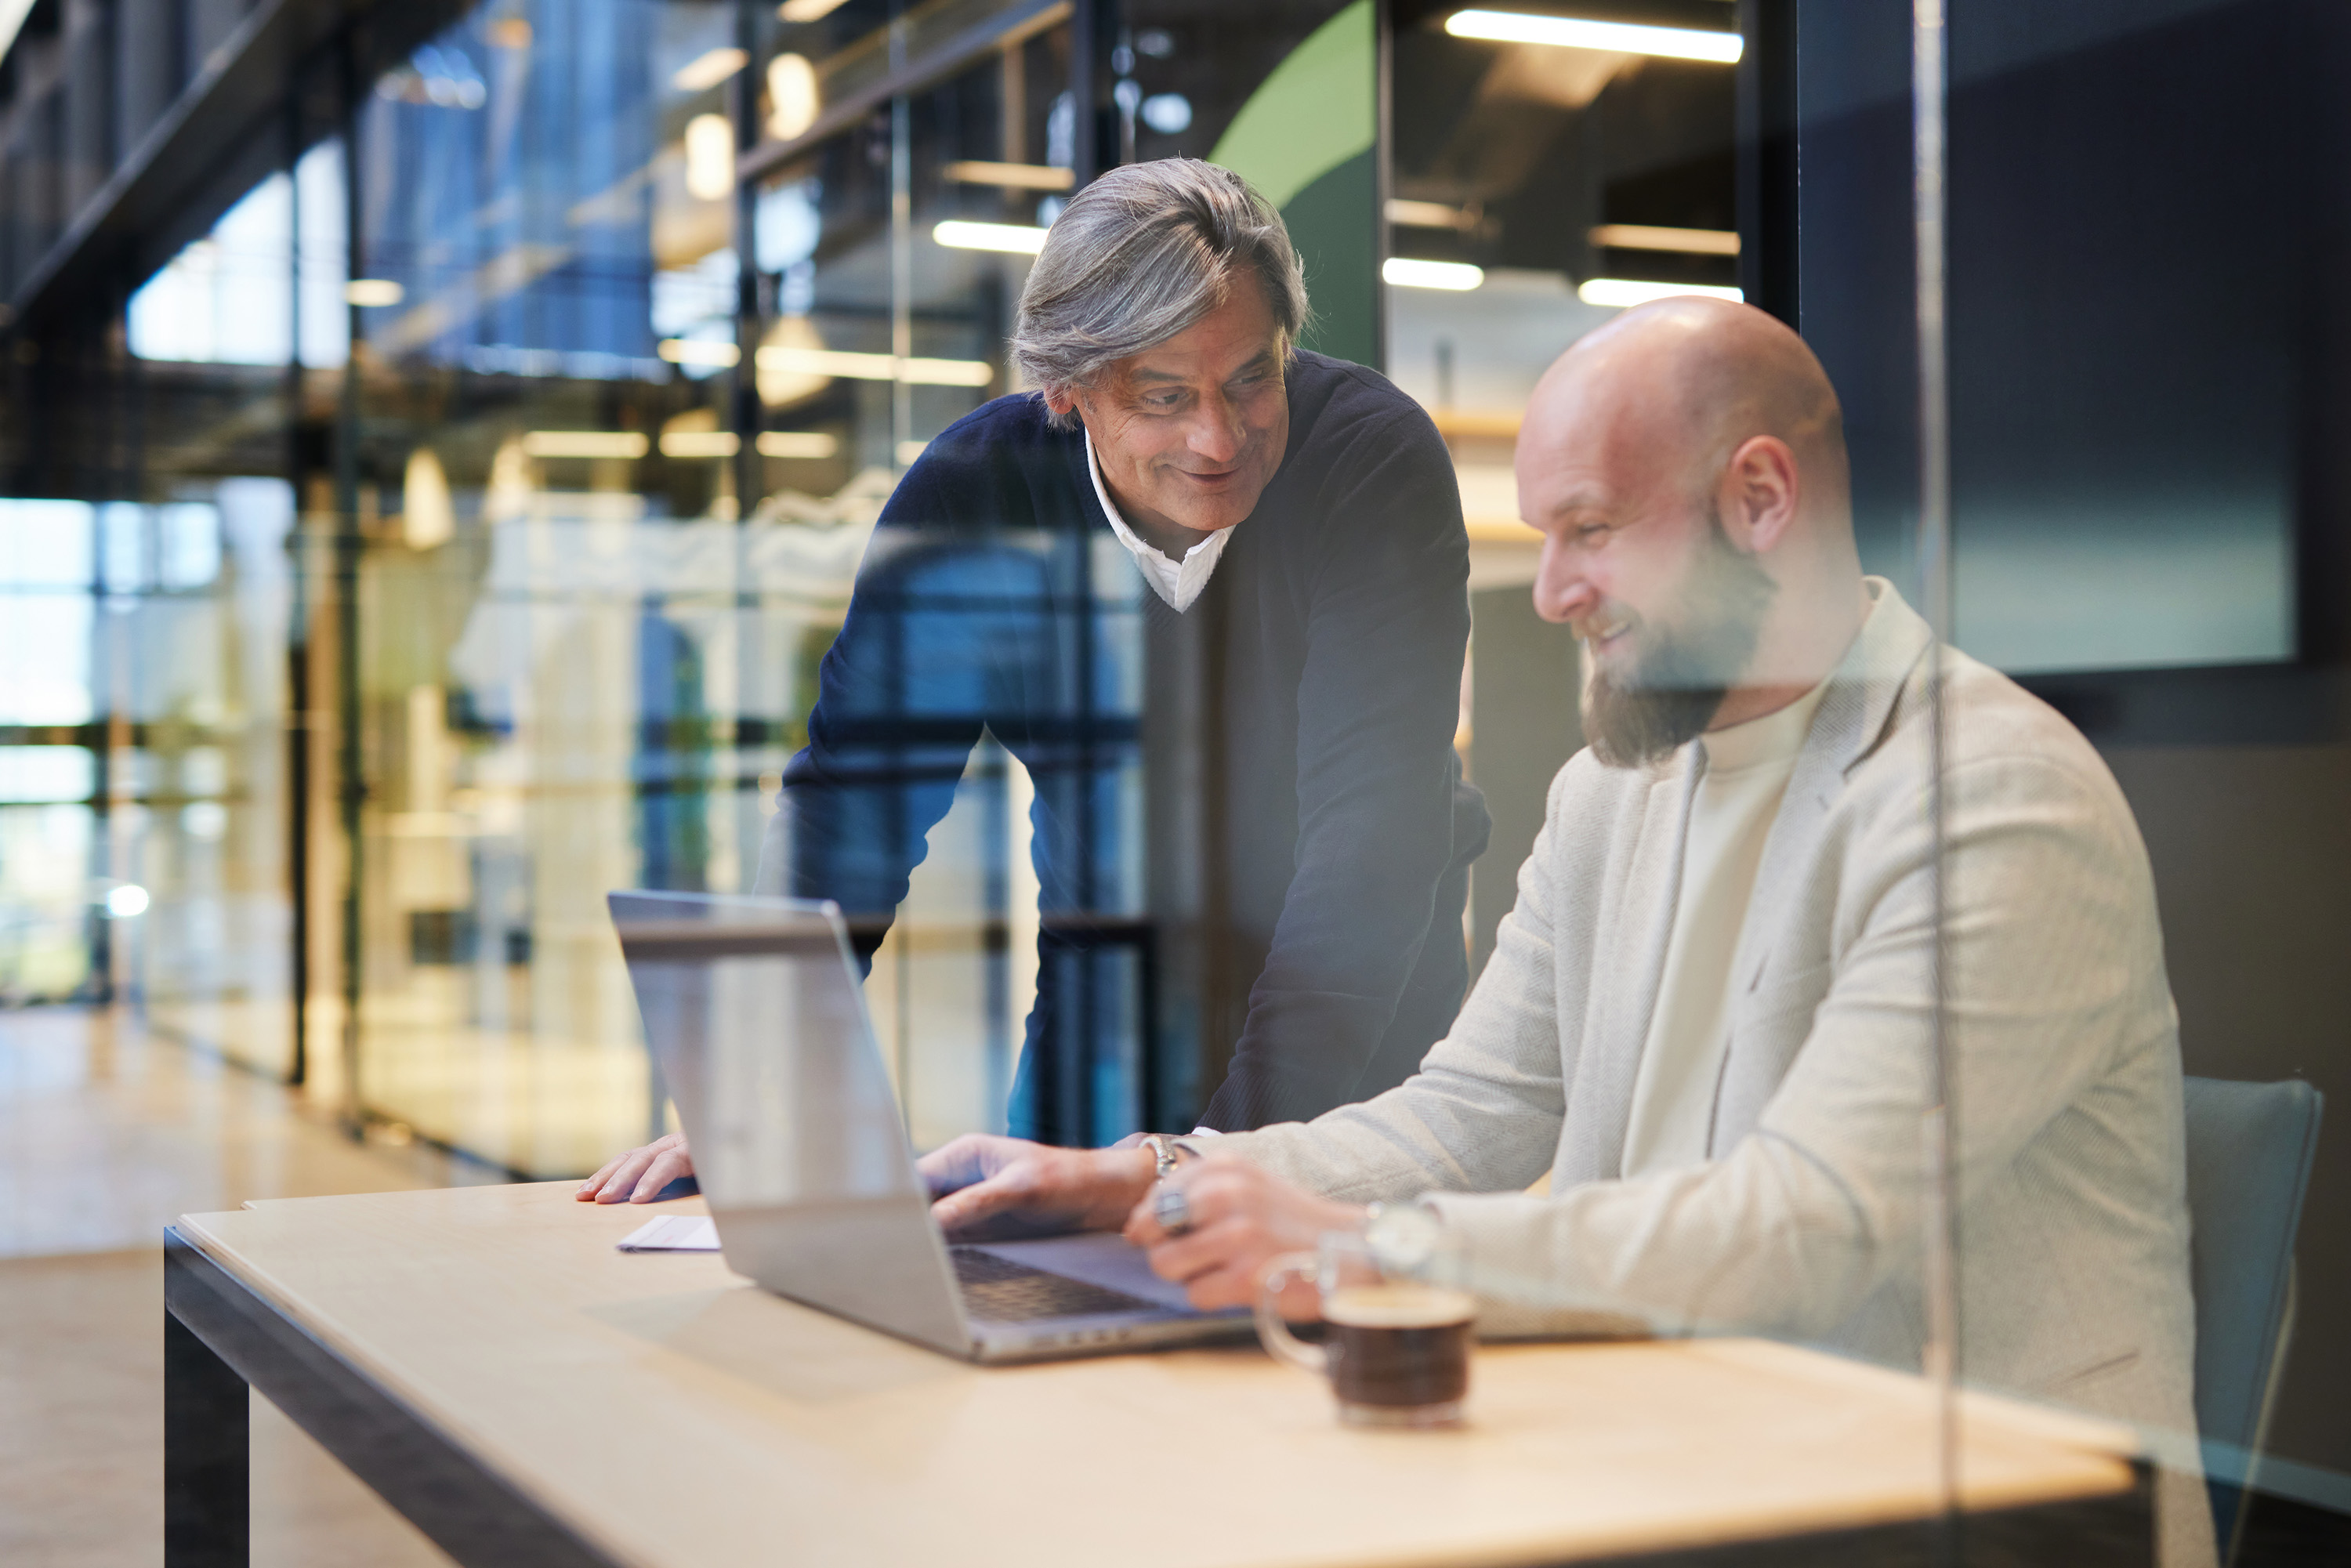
(154, 691)
(506, 500)
(2135, 1101)
(610, 552)
(497, 493)
(48, 817)
(2125, 1043)
(539, 414)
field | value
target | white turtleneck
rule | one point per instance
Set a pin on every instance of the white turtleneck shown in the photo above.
(1747, 770)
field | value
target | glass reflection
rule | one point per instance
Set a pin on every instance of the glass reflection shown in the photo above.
(435, 589)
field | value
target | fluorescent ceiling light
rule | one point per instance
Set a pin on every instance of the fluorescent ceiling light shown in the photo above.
(908, 451)
(707, 71)
(709, 157)
(1019, 239)
(810, 443)
(374, 291)
(876, 367)
(1649, 236)
(808, 10)
(700, 443)
(1620, 292)
(1405, 273)
(793, 97)
(1424, 215)
(1577, 32)
(584, 444)
(1012, 176)
(700, 351)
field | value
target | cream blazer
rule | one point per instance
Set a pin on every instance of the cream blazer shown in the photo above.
(1806, 1220)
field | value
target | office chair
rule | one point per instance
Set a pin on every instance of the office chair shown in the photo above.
(2249, 1154)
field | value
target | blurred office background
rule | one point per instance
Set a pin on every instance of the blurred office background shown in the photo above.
(438, 440)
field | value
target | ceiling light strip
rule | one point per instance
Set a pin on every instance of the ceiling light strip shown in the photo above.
(589, 443)
(832, 363)
(1618, 293)
(1581, 33)
(1405, 272)
(1651, 237)
(1017, 239)
(1011, 176)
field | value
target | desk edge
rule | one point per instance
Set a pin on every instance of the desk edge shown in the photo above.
(469, 1510)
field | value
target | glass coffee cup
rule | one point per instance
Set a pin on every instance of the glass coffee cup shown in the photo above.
(1395, 1349)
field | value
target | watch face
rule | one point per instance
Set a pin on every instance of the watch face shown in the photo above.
(1403, 1237)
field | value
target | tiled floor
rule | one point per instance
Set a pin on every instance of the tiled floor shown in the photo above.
(106, 1134)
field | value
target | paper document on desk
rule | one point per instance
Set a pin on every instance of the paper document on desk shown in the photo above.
(673, 1233)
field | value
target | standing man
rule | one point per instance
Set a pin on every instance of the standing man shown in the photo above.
(1296, 527)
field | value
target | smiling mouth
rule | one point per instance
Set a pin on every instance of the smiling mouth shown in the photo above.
(1600, 634)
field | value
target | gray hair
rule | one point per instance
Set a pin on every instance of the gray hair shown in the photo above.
(1141, 254)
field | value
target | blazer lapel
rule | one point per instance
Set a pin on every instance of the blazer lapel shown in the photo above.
(1636, 936)
(1853, 715)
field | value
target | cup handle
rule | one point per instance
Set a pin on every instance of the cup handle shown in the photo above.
(1279, 1343)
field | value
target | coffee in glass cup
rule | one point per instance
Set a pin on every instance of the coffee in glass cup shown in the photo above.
(1396, 1350)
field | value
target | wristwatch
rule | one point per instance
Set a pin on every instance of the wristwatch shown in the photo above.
(1168, 1152)
(1404, 1237)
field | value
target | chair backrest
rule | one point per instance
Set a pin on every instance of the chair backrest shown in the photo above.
(2249, 1154)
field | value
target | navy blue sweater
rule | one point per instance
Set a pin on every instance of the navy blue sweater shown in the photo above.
(1304, 830)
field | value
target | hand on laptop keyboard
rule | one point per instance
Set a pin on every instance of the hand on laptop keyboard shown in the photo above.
(992, 1188)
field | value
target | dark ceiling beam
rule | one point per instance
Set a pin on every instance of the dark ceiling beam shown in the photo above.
(234, 100)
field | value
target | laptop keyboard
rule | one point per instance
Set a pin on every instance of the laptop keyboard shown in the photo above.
(1004, 1291)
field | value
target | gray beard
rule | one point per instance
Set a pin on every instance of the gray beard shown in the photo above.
(1674, 692)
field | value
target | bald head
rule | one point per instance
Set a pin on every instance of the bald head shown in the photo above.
(1687, 465)
(1685, 382)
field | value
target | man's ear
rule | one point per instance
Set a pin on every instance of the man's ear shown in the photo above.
(1759, 493)
(1060, 400)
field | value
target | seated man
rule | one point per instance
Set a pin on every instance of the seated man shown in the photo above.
(1711, 1016)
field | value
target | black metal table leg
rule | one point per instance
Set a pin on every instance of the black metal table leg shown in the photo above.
(223, 1338)
(207, 1496)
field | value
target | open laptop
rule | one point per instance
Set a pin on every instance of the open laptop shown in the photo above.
(753, 1009)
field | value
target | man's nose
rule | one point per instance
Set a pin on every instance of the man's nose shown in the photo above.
(1562, 593)
(1217, 433)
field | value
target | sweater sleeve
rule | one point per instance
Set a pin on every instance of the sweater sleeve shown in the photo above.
(902, 695)
(1378, 701)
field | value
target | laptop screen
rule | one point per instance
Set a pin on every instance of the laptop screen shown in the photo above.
(753, 1014)
(753, 1010)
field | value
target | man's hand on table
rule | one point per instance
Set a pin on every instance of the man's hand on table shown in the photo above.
(639, 1176)
(1242, 1218)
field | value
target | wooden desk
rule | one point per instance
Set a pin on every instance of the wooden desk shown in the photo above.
(527, 1395)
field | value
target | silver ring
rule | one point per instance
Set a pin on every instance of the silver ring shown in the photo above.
(1172, 1210)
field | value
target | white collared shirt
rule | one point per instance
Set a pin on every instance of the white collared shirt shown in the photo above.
(1178, 583)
